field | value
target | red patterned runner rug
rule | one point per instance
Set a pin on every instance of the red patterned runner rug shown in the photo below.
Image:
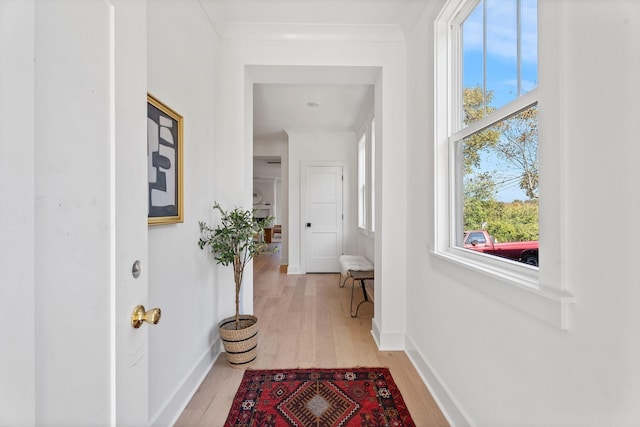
(356, 397)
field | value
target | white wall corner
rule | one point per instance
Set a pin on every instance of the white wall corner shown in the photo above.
(375, 332)
(388, 341)
(175, 405)
(450, 407)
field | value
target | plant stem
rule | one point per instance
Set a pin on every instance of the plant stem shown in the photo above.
(237, 273)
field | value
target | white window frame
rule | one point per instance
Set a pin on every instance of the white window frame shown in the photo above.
(363, 211)
(511, 282)
(372, 175)
(367, 171)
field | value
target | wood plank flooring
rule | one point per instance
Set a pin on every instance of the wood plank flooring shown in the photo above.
(305, 322)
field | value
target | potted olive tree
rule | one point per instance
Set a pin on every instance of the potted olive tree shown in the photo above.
(236, 241)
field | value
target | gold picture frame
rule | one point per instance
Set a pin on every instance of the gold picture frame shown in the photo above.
(164, 163)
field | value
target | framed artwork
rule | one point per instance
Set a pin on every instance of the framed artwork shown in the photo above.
(164, 163)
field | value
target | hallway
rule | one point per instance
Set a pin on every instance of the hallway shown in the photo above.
(305, 322)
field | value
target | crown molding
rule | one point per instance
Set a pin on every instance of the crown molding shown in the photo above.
(249, 31)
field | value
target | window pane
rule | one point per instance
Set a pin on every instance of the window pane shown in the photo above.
(473, 59)
(498, 175)
(499, 54)
(501, 51)
(529, 43)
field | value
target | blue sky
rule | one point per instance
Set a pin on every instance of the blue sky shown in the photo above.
(501, 62)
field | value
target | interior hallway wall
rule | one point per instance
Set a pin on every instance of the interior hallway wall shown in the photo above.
(17, 223)
(183, 280)
(492, 364)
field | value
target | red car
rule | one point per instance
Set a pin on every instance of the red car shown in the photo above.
(481, 241)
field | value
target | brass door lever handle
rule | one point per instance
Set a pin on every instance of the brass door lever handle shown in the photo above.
(139, 316)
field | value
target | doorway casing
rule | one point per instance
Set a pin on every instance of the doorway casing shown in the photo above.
(388, 326)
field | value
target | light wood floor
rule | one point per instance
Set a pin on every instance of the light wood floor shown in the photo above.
(305, 322)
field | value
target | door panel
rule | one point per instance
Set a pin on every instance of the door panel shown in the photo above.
(323, 213)
(324, 245)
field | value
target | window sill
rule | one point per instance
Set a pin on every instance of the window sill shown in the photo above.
(517, 286)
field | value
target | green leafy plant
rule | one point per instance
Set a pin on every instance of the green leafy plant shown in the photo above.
(235, 241)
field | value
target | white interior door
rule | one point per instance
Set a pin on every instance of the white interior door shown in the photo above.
(322, 218)
(130, 237)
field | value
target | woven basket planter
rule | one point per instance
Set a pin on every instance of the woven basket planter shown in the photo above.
(241, 345)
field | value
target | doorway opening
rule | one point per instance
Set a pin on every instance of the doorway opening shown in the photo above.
(305, 114)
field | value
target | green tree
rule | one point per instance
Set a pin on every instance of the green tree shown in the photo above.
(479, 200)
(480, 186)
(506, 222)
(476, 106)
(514, 222)
(519, 147)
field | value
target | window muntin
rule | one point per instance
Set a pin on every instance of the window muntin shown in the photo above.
(495, 141)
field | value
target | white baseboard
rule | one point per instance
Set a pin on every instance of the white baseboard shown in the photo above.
(375, 332)
(448, 404)
(387, 341)
(295, 269)
(173, 408)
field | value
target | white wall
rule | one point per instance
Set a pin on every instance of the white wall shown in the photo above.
(183, 280)
(490, 364)
(267, 187)
(17, 220)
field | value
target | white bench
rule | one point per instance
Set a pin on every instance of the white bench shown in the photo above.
(358, 268)
(349, 263)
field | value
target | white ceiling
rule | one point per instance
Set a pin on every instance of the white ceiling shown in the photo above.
(317, 107)
(280, 96)
(231, 17)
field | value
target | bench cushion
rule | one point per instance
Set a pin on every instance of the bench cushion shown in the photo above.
(354, 263)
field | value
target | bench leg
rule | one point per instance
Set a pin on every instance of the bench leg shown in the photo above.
(341, 282)
(364, 293)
